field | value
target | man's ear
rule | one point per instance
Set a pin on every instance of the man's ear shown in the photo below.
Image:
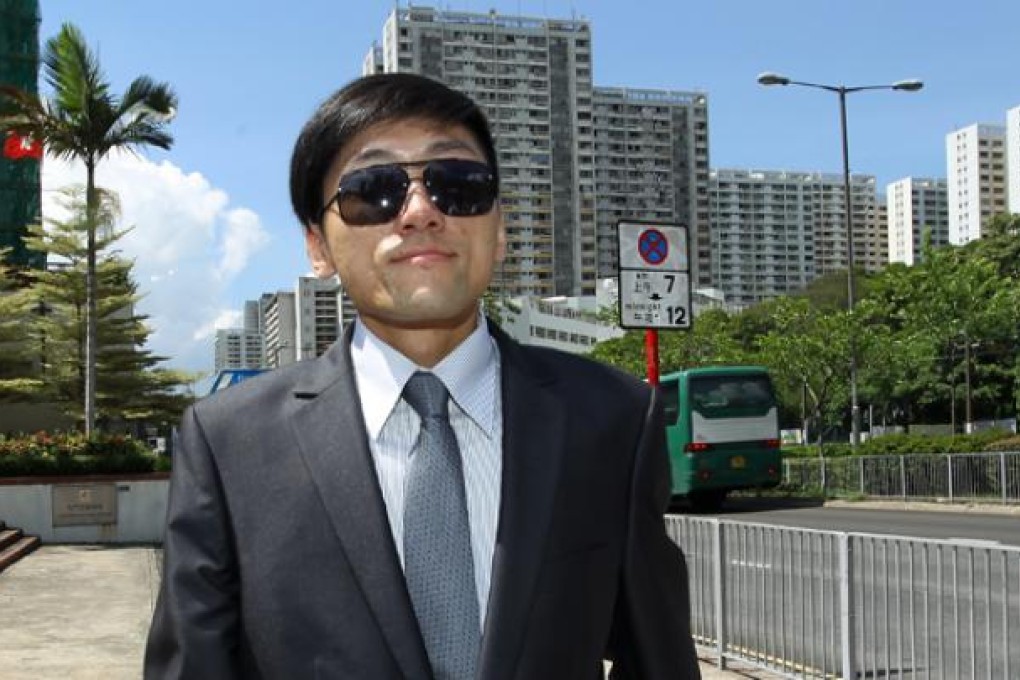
(500, 239)
(318, 252)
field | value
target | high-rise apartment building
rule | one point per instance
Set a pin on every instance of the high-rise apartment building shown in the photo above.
(651, 163)
(251, 316)
(876, 247)
(238, 348)
(976, 179)
(347, 310)
(764, 242)
(828, 212)
(20, 188)
(775, 231)
(278, 322)
(533, 79)
(916, 206)
(1013, 158)
(319, 306)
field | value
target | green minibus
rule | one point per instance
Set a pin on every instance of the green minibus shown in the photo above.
(722, 431)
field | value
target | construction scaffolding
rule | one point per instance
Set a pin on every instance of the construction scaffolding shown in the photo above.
(20, 189)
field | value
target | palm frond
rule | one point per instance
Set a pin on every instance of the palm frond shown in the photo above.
(146, 94)
(74, 74)
(140, 132)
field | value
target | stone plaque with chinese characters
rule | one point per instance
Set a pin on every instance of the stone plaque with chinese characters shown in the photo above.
(84, 504)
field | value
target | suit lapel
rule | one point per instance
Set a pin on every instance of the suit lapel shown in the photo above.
(330, 430)
(533, 446)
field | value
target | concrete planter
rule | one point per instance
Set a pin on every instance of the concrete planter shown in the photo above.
(87, 509)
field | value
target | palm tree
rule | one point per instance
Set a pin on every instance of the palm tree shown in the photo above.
(83, 121)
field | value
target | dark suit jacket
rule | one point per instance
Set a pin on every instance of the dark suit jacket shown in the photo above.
(279, 561)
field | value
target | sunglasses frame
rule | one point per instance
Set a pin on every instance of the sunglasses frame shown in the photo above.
(425, 180)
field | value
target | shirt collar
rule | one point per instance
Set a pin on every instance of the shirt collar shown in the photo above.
(469, 373)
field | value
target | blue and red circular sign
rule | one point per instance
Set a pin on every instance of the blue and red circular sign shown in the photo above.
(653, 246)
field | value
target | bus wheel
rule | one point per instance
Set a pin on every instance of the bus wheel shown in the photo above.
(711, 500)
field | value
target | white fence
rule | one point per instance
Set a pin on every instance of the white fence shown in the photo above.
(815, 604)
(954, 477)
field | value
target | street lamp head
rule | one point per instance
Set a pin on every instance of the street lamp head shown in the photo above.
(769, 78)
(908, 85)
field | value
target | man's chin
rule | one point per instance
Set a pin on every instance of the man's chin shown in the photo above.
(431, 311)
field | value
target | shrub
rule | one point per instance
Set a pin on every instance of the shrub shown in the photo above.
(1011, 443)
(905, 444)
(71, 453)
(901, 444)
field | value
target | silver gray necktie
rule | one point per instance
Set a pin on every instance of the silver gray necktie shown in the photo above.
(438, 564)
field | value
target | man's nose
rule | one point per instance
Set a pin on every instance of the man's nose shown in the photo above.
(419, 211)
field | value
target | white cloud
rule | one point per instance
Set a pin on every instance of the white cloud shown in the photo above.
(188, 244)
(227, 318)
(243, 235)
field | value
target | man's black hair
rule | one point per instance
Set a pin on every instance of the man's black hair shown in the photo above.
(361, 104)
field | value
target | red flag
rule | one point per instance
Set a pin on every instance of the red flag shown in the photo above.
(17, 146)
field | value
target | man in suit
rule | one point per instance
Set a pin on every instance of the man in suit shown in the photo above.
(325, 522)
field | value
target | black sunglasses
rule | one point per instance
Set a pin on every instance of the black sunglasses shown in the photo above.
(376, 194)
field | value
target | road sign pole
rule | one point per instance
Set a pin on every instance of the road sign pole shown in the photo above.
(652, 356)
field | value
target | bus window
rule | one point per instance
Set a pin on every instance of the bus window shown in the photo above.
(716, 396)
(669, 394)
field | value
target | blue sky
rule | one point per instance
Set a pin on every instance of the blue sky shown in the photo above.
(213, 226)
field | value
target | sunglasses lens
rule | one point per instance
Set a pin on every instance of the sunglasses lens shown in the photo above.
(376, 195)
(372, 195)
(460, 188)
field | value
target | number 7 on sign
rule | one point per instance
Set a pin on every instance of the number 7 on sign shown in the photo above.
(671, 279)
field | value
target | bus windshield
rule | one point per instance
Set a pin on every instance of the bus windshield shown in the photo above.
(727, 396)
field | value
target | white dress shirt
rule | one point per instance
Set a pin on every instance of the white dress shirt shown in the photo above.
(471, 375)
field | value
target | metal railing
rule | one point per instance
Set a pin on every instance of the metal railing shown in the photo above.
(953, 477)
(816, 604)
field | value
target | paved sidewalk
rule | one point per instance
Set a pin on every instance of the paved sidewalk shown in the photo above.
(76, 612)
(81, 612)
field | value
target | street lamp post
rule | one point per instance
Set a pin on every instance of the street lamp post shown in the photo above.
(843, 91)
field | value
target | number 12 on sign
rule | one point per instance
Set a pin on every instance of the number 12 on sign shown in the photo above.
(676, 315)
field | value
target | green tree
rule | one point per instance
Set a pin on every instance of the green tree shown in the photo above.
(18, 360)
(895, 367)
(902, 371)
(134, 388)
(1000, 245)
(965, 301)
(961, 304)
(809, 351)
(626, 353)
(710, 341)
(830, 291)
(753, 323)
(83, 120)
(499, 308)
